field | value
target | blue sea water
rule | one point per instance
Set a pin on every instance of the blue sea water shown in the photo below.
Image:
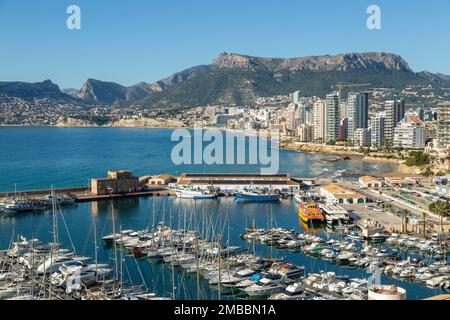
(40, 157)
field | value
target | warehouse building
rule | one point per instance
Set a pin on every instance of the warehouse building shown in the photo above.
(335, 194)
(229, 183)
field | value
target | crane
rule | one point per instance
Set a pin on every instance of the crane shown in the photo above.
(341, 86)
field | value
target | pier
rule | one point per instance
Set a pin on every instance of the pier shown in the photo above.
(82, 194)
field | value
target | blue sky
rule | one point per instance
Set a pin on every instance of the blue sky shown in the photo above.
(135, 40)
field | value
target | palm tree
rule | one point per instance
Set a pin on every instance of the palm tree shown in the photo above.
(405, 221)
(424, 217)
(442, 209)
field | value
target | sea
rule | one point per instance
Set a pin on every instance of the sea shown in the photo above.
(41, 157)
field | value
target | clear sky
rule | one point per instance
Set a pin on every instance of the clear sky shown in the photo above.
(147, 40)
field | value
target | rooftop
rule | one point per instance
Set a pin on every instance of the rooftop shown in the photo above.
(340, 192)
(368, 179)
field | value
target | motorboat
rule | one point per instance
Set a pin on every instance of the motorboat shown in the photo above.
(189, 192)
(117, 236)
(62, 200)
(18, 206)
(257, 196)
(287, 270)
(292, 292)
(266, 286)
(250, 281)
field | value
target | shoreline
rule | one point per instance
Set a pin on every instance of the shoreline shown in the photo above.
(395, 166)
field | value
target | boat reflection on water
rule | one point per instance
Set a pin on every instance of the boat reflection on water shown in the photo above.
(312, 228)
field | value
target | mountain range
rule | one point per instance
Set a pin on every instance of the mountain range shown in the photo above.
(239, 79)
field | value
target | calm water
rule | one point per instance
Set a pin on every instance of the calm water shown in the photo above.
(139, 213)
(36, 158)
(40, 157)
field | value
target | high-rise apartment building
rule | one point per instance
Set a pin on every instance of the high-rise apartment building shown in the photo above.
(357, 112)
(443, 126)
(292, 117)
(343, 129)
(332, 117)
(395, 112)
(377, 131)
(296, 97)
(362, 137)
(319, 120)
(305, 133)
(410, 133)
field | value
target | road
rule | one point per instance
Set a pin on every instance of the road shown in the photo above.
(399, 205)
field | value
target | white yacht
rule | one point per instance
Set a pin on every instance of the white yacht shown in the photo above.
(62, 200)
(266, 286)
(18, 206)
(188, 192)
(335, 214)
(293, 292)
(232, 278)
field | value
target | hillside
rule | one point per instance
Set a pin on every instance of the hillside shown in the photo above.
(236, 79)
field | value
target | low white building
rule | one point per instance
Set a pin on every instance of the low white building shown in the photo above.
(370, 182)
(337, 195)
(410, 133)
(443, 190)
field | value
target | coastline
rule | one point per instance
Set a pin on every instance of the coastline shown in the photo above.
(397, 168)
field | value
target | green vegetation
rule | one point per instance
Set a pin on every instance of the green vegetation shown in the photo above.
(442, 209)
(241, 86)
(417, 158)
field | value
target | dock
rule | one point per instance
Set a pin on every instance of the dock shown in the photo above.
(159, 192)
(82, 194)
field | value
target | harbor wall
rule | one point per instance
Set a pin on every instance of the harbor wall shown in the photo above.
(44, 192)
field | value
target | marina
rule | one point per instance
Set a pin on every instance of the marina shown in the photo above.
(212, 235)
(323, 264)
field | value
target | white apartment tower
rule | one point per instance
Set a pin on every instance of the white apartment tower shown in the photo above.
(362, 137)
(377, 131)
(395, 111)
(357, 112)
(319, 121)
(443, 126)
(410, 133)
(296, 97)
(332, 117)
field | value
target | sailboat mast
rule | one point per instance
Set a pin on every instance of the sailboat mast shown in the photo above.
(121, 260)
(115, 240)
(220, 258)
(55, 218)
(95, 248)
(197, 252)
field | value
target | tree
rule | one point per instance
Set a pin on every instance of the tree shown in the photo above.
(388, 145)
(417, 158)
(442, 209)
(424, 217)
(405, 221)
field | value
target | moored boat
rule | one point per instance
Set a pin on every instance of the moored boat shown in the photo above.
(194, 194)
(257, 196)
(309, 212)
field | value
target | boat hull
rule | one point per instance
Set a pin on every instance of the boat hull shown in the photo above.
(194, 195)
(257, 197)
